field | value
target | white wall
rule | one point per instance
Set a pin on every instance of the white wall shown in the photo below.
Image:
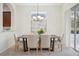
(54, 20)
(54, 17)
(6, 37)
(23, 18)
(6, 40)
(1, 28)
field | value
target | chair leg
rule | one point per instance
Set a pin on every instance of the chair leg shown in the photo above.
(49, 51)
(58, 45)
(16, 47)
(41, 51)
(37, 50)
(61, 47)
(28, 50)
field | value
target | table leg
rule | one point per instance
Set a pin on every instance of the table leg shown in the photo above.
(53, 44)
(24, 45)
(39, 42)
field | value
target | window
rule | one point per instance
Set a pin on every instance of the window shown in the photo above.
(38, 21)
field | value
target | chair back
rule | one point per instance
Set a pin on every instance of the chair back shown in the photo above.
(45, 41)
(61, 38)
(15, 38)
(32, 41)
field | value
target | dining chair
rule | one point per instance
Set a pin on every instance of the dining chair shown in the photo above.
(45, 42)
(59, 41)
(18, 43)
(32, 42)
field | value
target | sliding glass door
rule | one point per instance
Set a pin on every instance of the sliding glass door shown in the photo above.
(75, 27)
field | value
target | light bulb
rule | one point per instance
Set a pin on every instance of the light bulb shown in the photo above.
(38, 17)
(42, 17)
(34, 17)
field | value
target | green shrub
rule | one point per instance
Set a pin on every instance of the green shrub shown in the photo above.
(40, 31)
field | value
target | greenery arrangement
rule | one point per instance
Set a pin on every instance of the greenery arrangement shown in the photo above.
(40, 31)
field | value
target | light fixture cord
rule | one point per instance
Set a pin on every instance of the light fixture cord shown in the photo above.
(37, 10)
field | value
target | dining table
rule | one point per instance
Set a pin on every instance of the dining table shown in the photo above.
(52, 42)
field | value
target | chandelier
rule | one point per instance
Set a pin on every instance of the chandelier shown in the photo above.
(38, 15)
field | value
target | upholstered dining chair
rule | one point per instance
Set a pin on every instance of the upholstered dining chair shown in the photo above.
(45, 42)
(18, 43)
(32, 42)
